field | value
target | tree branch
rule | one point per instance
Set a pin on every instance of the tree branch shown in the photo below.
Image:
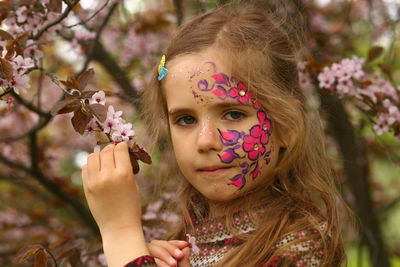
(55, 189)
(178, 11)
(357, 176)
(89, 56)
(29, 105)
(57, 21)
(106, 60)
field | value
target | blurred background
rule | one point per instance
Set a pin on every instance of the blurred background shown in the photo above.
(43, 215)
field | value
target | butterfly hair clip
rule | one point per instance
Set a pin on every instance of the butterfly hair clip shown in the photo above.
(162, 71)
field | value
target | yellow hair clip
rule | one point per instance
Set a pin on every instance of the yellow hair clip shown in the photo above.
(162, 71)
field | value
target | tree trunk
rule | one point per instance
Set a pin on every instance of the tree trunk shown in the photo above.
(355, 166)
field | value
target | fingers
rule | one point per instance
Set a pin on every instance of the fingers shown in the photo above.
(162, 254)
(85, 173)
(167, 251)
(107, 158)
(122, 159)
(181, 244)
(160, 263)
(93, 164)
(185, 262)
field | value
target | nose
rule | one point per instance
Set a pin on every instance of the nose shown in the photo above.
(208, 137)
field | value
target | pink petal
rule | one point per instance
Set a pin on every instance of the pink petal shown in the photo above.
(253, 155)
(220, 78)
(255, 131)
(220, 92)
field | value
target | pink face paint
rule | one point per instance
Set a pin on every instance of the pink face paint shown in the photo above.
(253, 142)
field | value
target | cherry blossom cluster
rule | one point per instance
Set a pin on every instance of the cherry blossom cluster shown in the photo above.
(114, 126)
(347, 79)
(30, 18)
(20, 78)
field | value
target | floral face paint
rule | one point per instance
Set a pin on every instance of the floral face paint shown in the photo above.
(255, 141)
(221, 136)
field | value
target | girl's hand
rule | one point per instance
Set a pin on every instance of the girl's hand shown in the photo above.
(111, 189)
(170, 253)
(113, 196)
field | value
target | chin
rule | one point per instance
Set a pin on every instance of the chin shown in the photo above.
(222, 195)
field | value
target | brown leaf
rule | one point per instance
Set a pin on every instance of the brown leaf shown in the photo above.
(134, 163)
(6, 70)
(313, 64)
(10, 46)
(89, 93)
(55, 6)
(41, 258)
(386, 69)
(84, 78)
(66, 106)
(99, 111)
(71, 83)
(5, 35)
(374, 53)
(21, 41)
(70, 247)
(144, 156)
(26, 252)
(80, 120)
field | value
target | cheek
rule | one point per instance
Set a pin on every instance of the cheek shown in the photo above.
(251, 150)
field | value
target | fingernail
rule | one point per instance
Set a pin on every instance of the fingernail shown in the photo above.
(178, 252)
(172, 261)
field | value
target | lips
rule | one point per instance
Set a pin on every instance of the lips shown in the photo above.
(213, 169)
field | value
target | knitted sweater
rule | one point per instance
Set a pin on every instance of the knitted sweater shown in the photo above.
(213, 241)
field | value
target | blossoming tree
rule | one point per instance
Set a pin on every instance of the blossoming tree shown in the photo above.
(70, 77)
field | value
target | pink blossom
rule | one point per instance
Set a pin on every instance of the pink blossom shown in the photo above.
(123, 132)
(192, 241)
(326, 78)
(345, 88)
(109, 124)
(22, 63)
(98, 98)
(20, 82)
(32, 50)
(22, 14)
(115, 115)
(97, 147)
(33, 24)
(84, 35)
(91, 127)
(382, 124)
(10, 102)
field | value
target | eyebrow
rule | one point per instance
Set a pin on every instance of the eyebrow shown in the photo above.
(223, 105)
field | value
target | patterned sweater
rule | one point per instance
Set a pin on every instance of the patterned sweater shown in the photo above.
(213, 241)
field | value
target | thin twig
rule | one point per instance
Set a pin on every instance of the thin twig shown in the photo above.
(40, 125)
(7, 91)
(91, 17)
(97, 37)
(63, 16)
(29, 105)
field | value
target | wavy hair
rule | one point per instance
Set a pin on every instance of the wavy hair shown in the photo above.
(302, 193)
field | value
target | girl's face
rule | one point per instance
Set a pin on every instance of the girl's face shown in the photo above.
(223, 140)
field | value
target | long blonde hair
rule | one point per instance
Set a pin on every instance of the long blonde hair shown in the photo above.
(302, 194)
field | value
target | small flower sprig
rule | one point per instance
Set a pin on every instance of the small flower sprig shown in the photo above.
(352, 78)
(91, 116)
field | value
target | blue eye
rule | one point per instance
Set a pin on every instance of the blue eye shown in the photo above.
(185, 120)
(234, 115)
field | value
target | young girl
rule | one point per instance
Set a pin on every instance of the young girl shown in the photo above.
(256, 187)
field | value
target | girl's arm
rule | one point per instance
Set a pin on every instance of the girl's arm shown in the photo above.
(113, 196)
